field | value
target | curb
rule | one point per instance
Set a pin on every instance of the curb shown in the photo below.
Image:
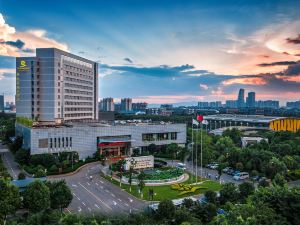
(72, 173)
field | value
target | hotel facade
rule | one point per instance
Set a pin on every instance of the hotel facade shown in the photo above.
(57, 110)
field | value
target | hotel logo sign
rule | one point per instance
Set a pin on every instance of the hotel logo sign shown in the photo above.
(22, 66)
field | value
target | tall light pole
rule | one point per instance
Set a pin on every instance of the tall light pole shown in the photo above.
(192, 149)
(201, 152)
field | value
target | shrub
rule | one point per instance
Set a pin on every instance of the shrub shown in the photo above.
(21, 176)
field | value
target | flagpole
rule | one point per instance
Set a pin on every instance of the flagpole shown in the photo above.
(196, 152)
(201, 153)
(192, 150)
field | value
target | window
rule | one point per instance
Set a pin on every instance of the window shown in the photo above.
(70, 141)
(67, 142)
(59, 142)
(63, 142)
(54, 142)
(173, 136)
(43, 143)
(51, 144)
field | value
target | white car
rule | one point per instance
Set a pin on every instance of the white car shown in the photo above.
(241, 176)
(214, 166)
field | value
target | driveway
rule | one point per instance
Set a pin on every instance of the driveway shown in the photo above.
(9, 161)
(97, 195)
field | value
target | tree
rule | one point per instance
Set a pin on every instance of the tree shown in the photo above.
(60, 194)
(166, 210)
(182, 215)
(9, 199)
(22, 156)
(211, 196)
(234, 134)
(228, 193)
(152, 148)
(131, 168)
(16, 144)
(224, 144)
(275, 166)
(141, 184)
(187, 203)
(172, 150)
(205, 212)
(239, 166)
(37, 196)
(279, 180)
(246, 189)
(21, 176)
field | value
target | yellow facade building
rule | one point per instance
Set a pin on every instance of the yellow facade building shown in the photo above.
(285, 124)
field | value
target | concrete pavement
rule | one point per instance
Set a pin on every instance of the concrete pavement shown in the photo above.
(98, 194)
(9, 162)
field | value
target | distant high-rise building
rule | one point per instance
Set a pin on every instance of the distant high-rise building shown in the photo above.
(139, 106)
(267, 104)
(241, 98)
(56, 86)
(1, 103)
(231, 104)
(203, 105)
(295, 104)
(251, 100)
(126, 104)
(166, 106)
(107, 105)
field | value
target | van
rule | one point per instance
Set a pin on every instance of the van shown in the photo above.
(241, 176)
(181, 166)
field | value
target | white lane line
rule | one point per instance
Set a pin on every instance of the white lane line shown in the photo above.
(95, 196)
(68, 210)
(8, 163)
(83, 203)
(130, 200)
(115, 203)
(97, 206)
(88, 183)
(101, 182)
(112, 195)
(89, 209)
(74, 185)
(74, 194)
(126, 204)
(119, 200)
(106, 190)
(79, 209)
(97, 184)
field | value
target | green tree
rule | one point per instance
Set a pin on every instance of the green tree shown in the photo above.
(172, 150)
(246, 189)
(166, 210)
(187, 203)
(275, 166)
(279, 180)
(234, 134)
(22, 156)
(21, 176)
(229, 193)
(182, 215)
(9, 199)
(141, 184)
(37, 196)
(211, 196)
(224, 145)
(60, 194)
(131, 169)
(205, 212)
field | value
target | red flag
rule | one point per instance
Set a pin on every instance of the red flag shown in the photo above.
(200, 118)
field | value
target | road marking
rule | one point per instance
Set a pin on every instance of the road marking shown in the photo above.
(126, 204)
(115, 203)
(101, 187)
(97, 184)
(119, 200)
(95, 196)
(8, 163)
(97, 206)
(106, 190)
(130, 200)
(83, 203)
(88, 183)
(74, 194)
(101, 182)
(89, 209)
(74, 185)
(79, 209)
(68, 210)
(112, 195)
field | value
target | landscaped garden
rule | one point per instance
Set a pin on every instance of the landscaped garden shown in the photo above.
(159, 193)
(163, 173)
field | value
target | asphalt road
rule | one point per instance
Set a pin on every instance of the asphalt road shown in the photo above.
(97, 195)
(9, 162)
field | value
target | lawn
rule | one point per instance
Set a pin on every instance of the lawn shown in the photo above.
(165, 191)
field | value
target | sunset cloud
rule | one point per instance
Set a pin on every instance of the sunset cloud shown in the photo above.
(14, 43)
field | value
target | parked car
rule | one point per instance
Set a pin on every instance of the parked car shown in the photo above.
(227, 169)
(241, 176)
(181, 166)
(256, 178)
(214, 166)
(231, 172)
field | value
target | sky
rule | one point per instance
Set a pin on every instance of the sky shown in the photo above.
(163, 51)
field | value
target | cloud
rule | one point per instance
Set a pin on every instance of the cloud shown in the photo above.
(293, 69)
(203, 86)
(128, 60)
(282, 63)
(14, 43)
(18, 43)
(294, 40)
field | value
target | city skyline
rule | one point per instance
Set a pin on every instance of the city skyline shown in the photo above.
(164, 52)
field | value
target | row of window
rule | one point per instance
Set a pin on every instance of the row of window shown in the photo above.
(78, 92)
(78, 98)
(78, 80)
(60, 142)
(79, 75)
(78, 115)
(78, 86)
(78, 103)
(159, 136)
(77, 109)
